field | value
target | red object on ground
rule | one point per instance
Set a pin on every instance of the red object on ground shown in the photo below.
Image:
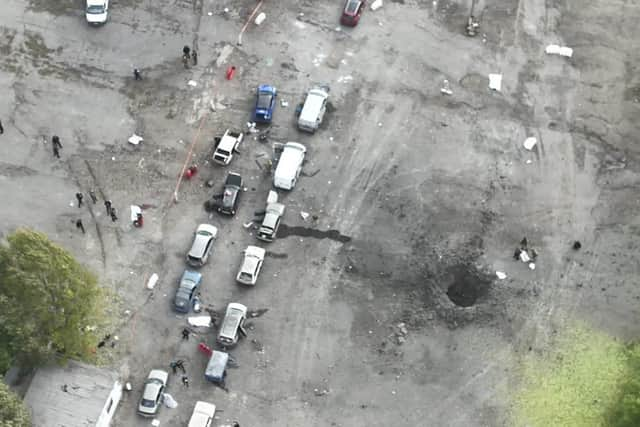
(139, 221)
(205, 349)
(231, 71)
(191, 172)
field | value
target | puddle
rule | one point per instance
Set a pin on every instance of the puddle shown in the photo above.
(285, 231)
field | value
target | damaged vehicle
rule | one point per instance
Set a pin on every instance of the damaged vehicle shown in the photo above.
(152, 395)
(227, 146)
(202, 244)
(251, 265)
(232, 325)
(271, 222)
(187, 291)
(231, 194)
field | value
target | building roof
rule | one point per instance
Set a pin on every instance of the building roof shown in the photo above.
(88, 388)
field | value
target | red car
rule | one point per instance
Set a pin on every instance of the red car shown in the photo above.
(352, 11)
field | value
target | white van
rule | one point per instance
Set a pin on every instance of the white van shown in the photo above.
(289, 166)
(203, 414)
(313, 110)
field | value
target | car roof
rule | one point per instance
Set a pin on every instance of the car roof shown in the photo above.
(211, 229)
(95, 2)
(205, 407)
(255, 251)
(312, 104)
(227, 142)
(249, 264)
(291, 155)
(151, 390)
(352, 6)
(159, 374)
(233, 179)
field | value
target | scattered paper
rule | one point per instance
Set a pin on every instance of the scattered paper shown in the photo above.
(284, 103)
(200, 321)
(529, 143)
(446, 88)
(135, 139)
(554, 49)
(151, 283)
(155, 422)
(532, 265)
(501, 275)
(377, 4)
(192, 83)
(495, 81)
(304, 215)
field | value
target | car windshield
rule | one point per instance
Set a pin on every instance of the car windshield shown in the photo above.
(264, 100)
(223, 152)
(147, 403)
(352, 7)
(95, 9)
(246, 276)
(203, 233)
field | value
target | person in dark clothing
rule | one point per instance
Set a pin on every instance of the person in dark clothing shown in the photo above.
(186, 51)
(55, 140)
(114, 217)
(107, 205)
(185, 334)
(136, 74)
(194, 57)
(80, 225)
(79, 197)
(56, 151)
(1, 128)
(236, 424)
(92, 194)
(185, 381)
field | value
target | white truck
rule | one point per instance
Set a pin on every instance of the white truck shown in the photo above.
(272, 217)
(227, 145)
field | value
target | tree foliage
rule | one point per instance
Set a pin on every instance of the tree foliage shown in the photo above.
(625, 410)
(13, 413)
(47, 300)
(574, 384)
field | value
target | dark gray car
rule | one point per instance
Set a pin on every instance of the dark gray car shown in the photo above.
(231, 194)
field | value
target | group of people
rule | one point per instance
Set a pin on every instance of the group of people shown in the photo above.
(189, 54)
(111, 211)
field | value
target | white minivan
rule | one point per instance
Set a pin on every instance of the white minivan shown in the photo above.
(313, 109)
(289, 166)
(97, 11)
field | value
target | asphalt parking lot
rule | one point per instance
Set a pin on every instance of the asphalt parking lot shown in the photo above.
(415, 198)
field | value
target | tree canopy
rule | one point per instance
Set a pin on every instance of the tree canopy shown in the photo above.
(13, 413)
(48, 302)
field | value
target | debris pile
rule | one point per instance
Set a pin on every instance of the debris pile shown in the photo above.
(525, 254)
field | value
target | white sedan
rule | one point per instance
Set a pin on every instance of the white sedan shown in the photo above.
(203, 414)
(251, 265)
(97, 11)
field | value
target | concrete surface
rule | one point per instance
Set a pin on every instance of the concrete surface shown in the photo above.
(416, 198)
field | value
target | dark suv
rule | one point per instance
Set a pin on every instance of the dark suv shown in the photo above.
(231, 194)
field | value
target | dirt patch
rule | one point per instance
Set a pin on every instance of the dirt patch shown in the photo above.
(466, 285)
(54, 7)
(286, 230)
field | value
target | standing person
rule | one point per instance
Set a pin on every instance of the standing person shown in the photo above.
(185, 381)
(79, 197)
(114, 217)
(186, 51)
(136, 74)
(92, 194)
(185, 61)
(1, 128)
(56, 151)
(194, 57)
(57, 145)
(107, 205)
(80, 225)
(185, 334)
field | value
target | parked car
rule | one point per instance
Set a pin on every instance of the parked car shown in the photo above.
(251, 265)
(187, 291)
(227, 145)
(231, 194)
(152, 393)
(351, 12)
(97, 11)
(271, 222)
(232, 325)
(265, 104)
(289, 166)
(202, 245)
(203, 414)
(313, 109)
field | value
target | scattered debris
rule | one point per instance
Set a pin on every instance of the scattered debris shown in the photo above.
(319, 392)
(501, 275)
(495, 82)
(377, 4)
(251, 127)
(284, 103)
(472, 26)
(554, 49)
(135, 139)
(529, 143)
(532, 266)
(169, 401)
(257, 345)
(446, 88)
(524, 256)
(577, 245)
(128, 387)
(528, 161)
(257, 313)
(260, 18)
(247, 224)
(192, 83)
(210, 183)
(200, 321)
(152, 281)
(304, 215)
(155, 422)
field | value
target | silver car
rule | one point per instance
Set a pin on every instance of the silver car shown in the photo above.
(152, 394)
(251, 265)
(202, 245)
(232, 325)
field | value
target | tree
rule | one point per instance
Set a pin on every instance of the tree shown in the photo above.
(47, 302)
(625, 411)
(13, 413)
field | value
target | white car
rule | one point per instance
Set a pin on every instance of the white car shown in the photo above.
(203, 414)
(227, 146)
(251, 265)
(97, 11)
(153, 393)
(206, 234)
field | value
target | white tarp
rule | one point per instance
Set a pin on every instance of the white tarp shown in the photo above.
(200, 321)
(169, 401)
(495, 81)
